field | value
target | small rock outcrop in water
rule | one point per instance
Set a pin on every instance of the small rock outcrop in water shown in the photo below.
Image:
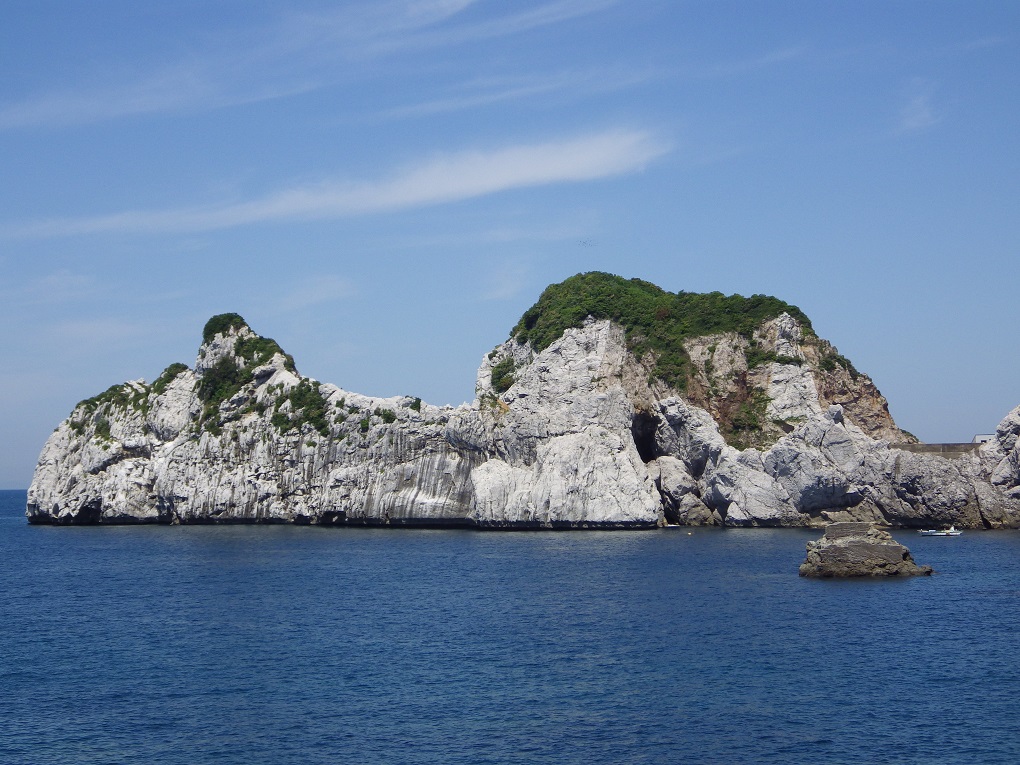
(859, 549)
(614, 404)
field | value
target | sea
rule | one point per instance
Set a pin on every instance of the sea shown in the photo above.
(279, 644)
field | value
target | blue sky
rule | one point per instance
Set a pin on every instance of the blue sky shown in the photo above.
(384, 187)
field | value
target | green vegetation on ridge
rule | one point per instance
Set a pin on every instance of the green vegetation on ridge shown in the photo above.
(222, 323)
(168, 376)
(254, 349)
(230, 374)
(123, 396)
(654, 320)
(257, 350)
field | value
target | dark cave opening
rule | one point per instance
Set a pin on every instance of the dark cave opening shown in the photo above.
(643, 428)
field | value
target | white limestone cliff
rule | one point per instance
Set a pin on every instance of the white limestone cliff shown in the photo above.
(584, 437)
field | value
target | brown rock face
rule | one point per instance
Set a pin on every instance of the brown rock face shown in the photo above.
(862, 402)
(859, 549)
(759, 388)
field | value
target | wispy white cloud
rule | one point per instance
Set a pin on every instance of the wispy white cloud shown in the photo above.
(918, 112)
(754, 64)
(978, 43)
(300, 53)
(58, 288)
(529, 230)
(318, 290)
(505, 281)
(359, 30)
(490, 91)
(82, 334)
(482, 94)
(507, 24)
(65, 288)
(62, 287)
(184, 87)
(441, 179)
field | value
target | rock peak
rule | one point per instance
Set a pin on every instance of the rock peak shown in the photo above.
(221, 324)
(227, 339)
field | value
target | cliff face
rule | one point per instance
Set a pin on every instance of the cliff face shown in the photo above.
(760, 387)
(579, 433)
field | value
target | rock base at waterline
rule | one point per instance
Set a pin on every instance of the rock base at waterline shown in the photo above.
(859, 549)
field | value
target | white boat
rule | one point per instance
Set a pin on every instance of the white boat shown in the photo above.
(950, 532)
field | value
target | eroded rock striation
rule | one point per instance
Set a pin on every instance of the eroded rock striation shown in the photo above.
(859, 549)
(614, 404)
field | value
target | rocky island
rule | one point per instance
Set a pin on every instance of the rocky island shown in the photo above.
(613, 404)
(859, 549)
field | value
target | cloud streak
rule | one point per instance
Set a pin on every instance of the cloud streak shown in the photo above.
(737, 68)
(298, 54)
(439, 180)
(509, 24)
(918, 112)
(488, 92)
(175, 89)
(322, 289)
(505, 282)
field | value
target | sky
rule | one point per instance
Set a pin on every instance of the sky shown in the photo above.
(384, 187)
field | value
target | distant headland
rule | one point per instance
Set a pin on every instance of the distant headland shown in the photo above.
(613, 404)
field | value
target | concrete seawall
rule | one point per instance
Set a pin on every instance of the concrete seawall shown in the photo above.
(949, 451)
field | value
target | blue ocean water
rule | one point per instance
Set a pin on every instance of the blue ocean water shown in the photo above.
(274, 644)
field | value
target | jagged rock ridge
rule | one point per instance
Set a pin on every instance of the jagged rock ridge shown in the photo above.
(609, 407)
